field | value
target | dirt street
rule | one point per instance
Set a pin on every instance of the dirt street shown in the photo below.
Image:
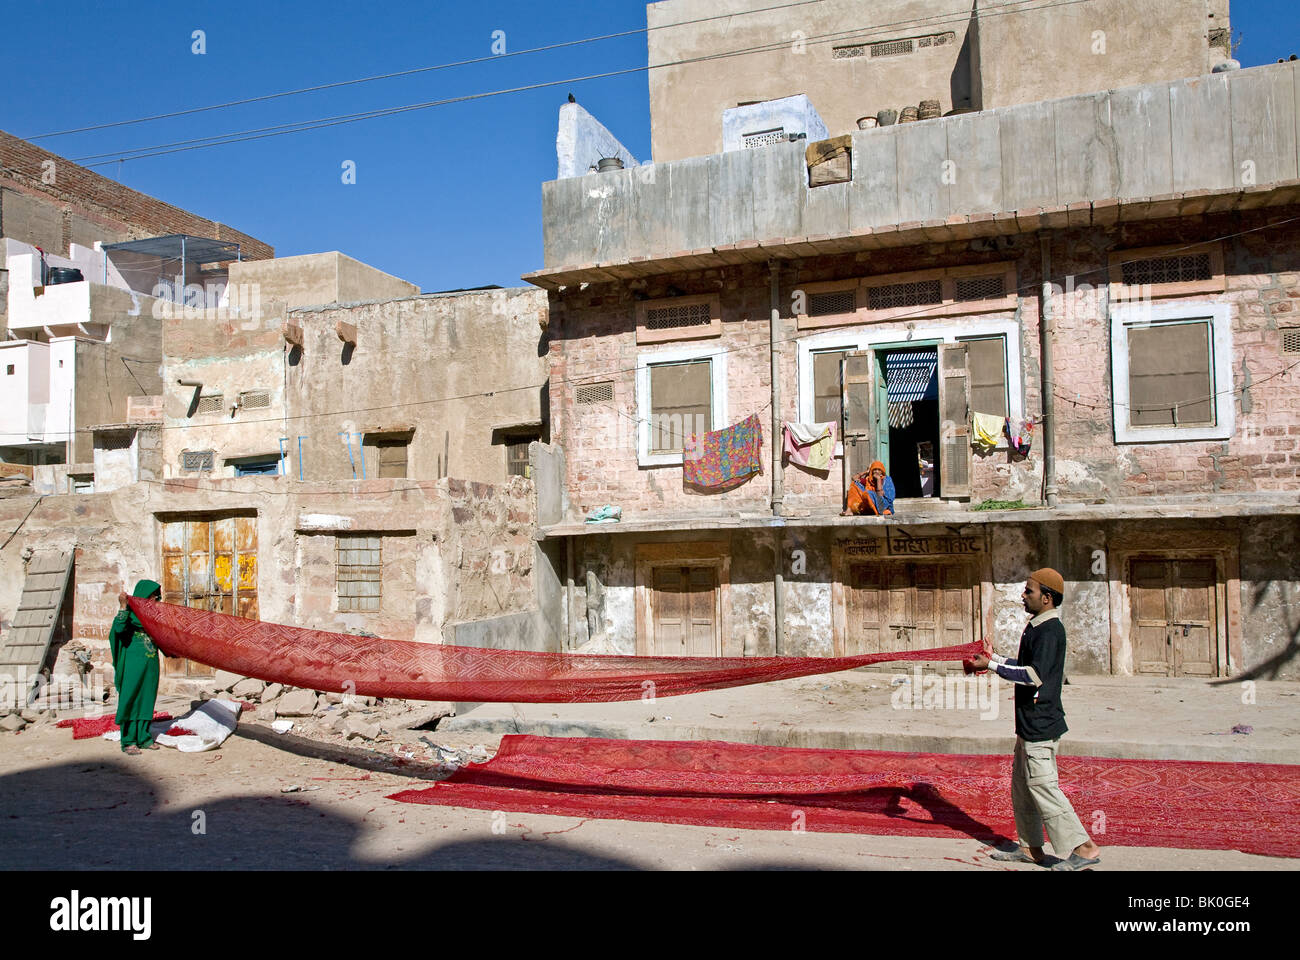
(83, 805)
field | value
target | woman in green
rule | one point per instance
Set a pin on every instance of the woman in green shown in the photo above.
(135, 671)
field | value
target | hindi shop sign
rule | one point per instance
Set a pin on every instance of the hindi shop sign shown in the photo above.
(901, 545)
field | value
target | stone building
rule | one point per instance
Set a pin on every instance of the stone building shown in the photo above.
(1118, 267)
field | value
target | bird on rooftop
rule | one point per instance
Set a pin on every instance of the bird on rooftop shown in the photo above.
(572, 98)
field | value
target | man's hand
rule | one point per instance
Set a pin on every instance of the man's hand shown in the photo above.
(121, 599)
(980, 662)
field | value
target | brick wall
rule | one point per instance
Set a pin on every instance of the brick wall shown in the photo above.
(592, 338)
(88, 203)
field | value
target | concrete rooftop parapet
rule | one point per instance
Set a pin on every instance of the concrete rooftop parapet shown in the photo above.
(1165, 149)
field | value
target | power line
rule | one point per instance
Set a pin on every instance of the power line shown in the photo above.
(301, 126)
(412, 71)
(603, 375)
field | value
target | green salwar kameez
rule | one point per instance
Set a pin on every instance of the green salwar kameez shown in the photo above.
(135, 672)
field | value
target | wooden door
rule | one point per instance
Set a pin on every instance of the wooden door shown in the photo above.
(1174, 617)
(900, 606)
(209, 563)
(685, 605)
(954, 421)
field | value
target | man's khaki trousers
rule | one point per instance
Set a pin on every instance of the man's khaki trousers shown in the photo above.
(1038, 799)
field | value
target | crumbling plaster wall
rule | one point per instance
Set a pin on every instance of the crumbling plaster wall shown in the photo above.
(452, 551)
(227, 356)
(450, 367)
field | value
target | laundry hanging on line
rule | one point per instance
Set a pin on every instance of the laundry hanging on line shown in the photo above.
(809, 445)
(987, 433)
(724, 458)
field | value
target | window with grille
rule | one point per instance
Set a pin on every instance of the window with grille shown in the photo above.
(987, 359)
(517, 463)
(114, 441)
(593, 393)
(386, 454)
(892, 48)
(827, 396)
(678, 318)
(1183, 268)
(1171, 382)
(672, 316)
(832, 302)
(359, 573)
(849, 52)
(212, 403)
(1291, 339)
(681, 403)
(915, 294)
(255, 399)
(763, 138)
(991, 287)
(197, 460)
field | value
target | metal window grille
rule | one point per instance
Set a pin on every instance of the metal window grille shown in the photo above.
(212, 403)
(891, 48)
(517, 464)
(1182, 268)
(832, 302)
(763, 138)
(990, 287)
(1291, 339)
(915, 294)
(197, 460)
(359, 573)
(255, 399)
(849, 52)
(114, 441)
(592, 393)
(671, 316)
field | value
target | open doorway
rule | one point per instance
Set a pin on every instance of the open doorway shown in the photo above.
(911, 395)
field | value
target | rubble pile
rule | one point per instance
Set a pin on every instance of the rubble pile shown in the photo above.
(340, 716)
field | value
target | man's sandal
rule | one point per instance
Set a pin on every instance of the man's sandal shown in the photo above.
(1076, 862)
(1015, 856)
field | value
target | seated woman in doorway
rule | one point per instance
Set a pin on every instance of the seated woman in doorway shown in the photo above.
(871, 493)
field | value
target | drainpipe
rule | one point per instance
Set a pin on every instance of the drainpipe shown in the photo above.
(778, 548)
(1046, 332)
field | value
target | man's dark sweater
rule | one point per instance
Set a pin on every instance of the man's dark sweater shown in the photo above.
(1038, 671)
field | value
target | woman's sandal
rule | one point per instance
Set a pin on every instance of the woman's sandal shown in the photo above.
(132, 751)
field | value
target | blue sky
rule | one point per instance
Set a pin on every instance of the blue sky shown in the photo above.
(445, 197)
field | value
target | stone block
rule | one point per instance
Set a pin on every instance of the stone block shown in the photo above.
(12, 723)
(248, 688)
(355, 726)
(272, 692)
(297, 703)
(224, 680)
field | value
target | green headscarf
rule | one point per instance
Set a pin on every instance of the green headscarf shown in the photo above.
(144, 589)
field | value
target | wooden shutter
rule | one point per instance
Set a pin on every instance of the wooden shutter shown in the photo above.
(954, 421)
(860, 429)
(828, 402)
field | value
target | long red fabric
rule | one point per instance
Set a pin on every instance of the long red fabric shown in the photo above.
(83, 728)
(373, 666)
(1252, 807)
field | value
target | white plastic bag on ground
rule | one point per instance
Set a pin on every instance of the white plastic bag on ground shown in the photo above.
(209, 725)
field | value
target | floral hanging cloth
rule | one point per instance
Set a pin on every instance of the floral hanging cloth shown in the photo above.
(724, 458)
(1021, 434)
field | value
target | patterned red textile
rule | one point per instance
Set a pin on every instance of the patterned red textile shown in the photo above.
(374, 667)
(83, 728)
(1250, 807)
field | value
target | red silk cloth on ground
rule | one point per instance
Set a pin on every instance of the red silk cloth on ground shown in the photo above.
(1252, 807)
(374, 667)
(84, 728)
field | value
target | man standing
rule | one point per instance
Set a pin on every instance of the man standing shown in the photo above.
(1037, 672)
